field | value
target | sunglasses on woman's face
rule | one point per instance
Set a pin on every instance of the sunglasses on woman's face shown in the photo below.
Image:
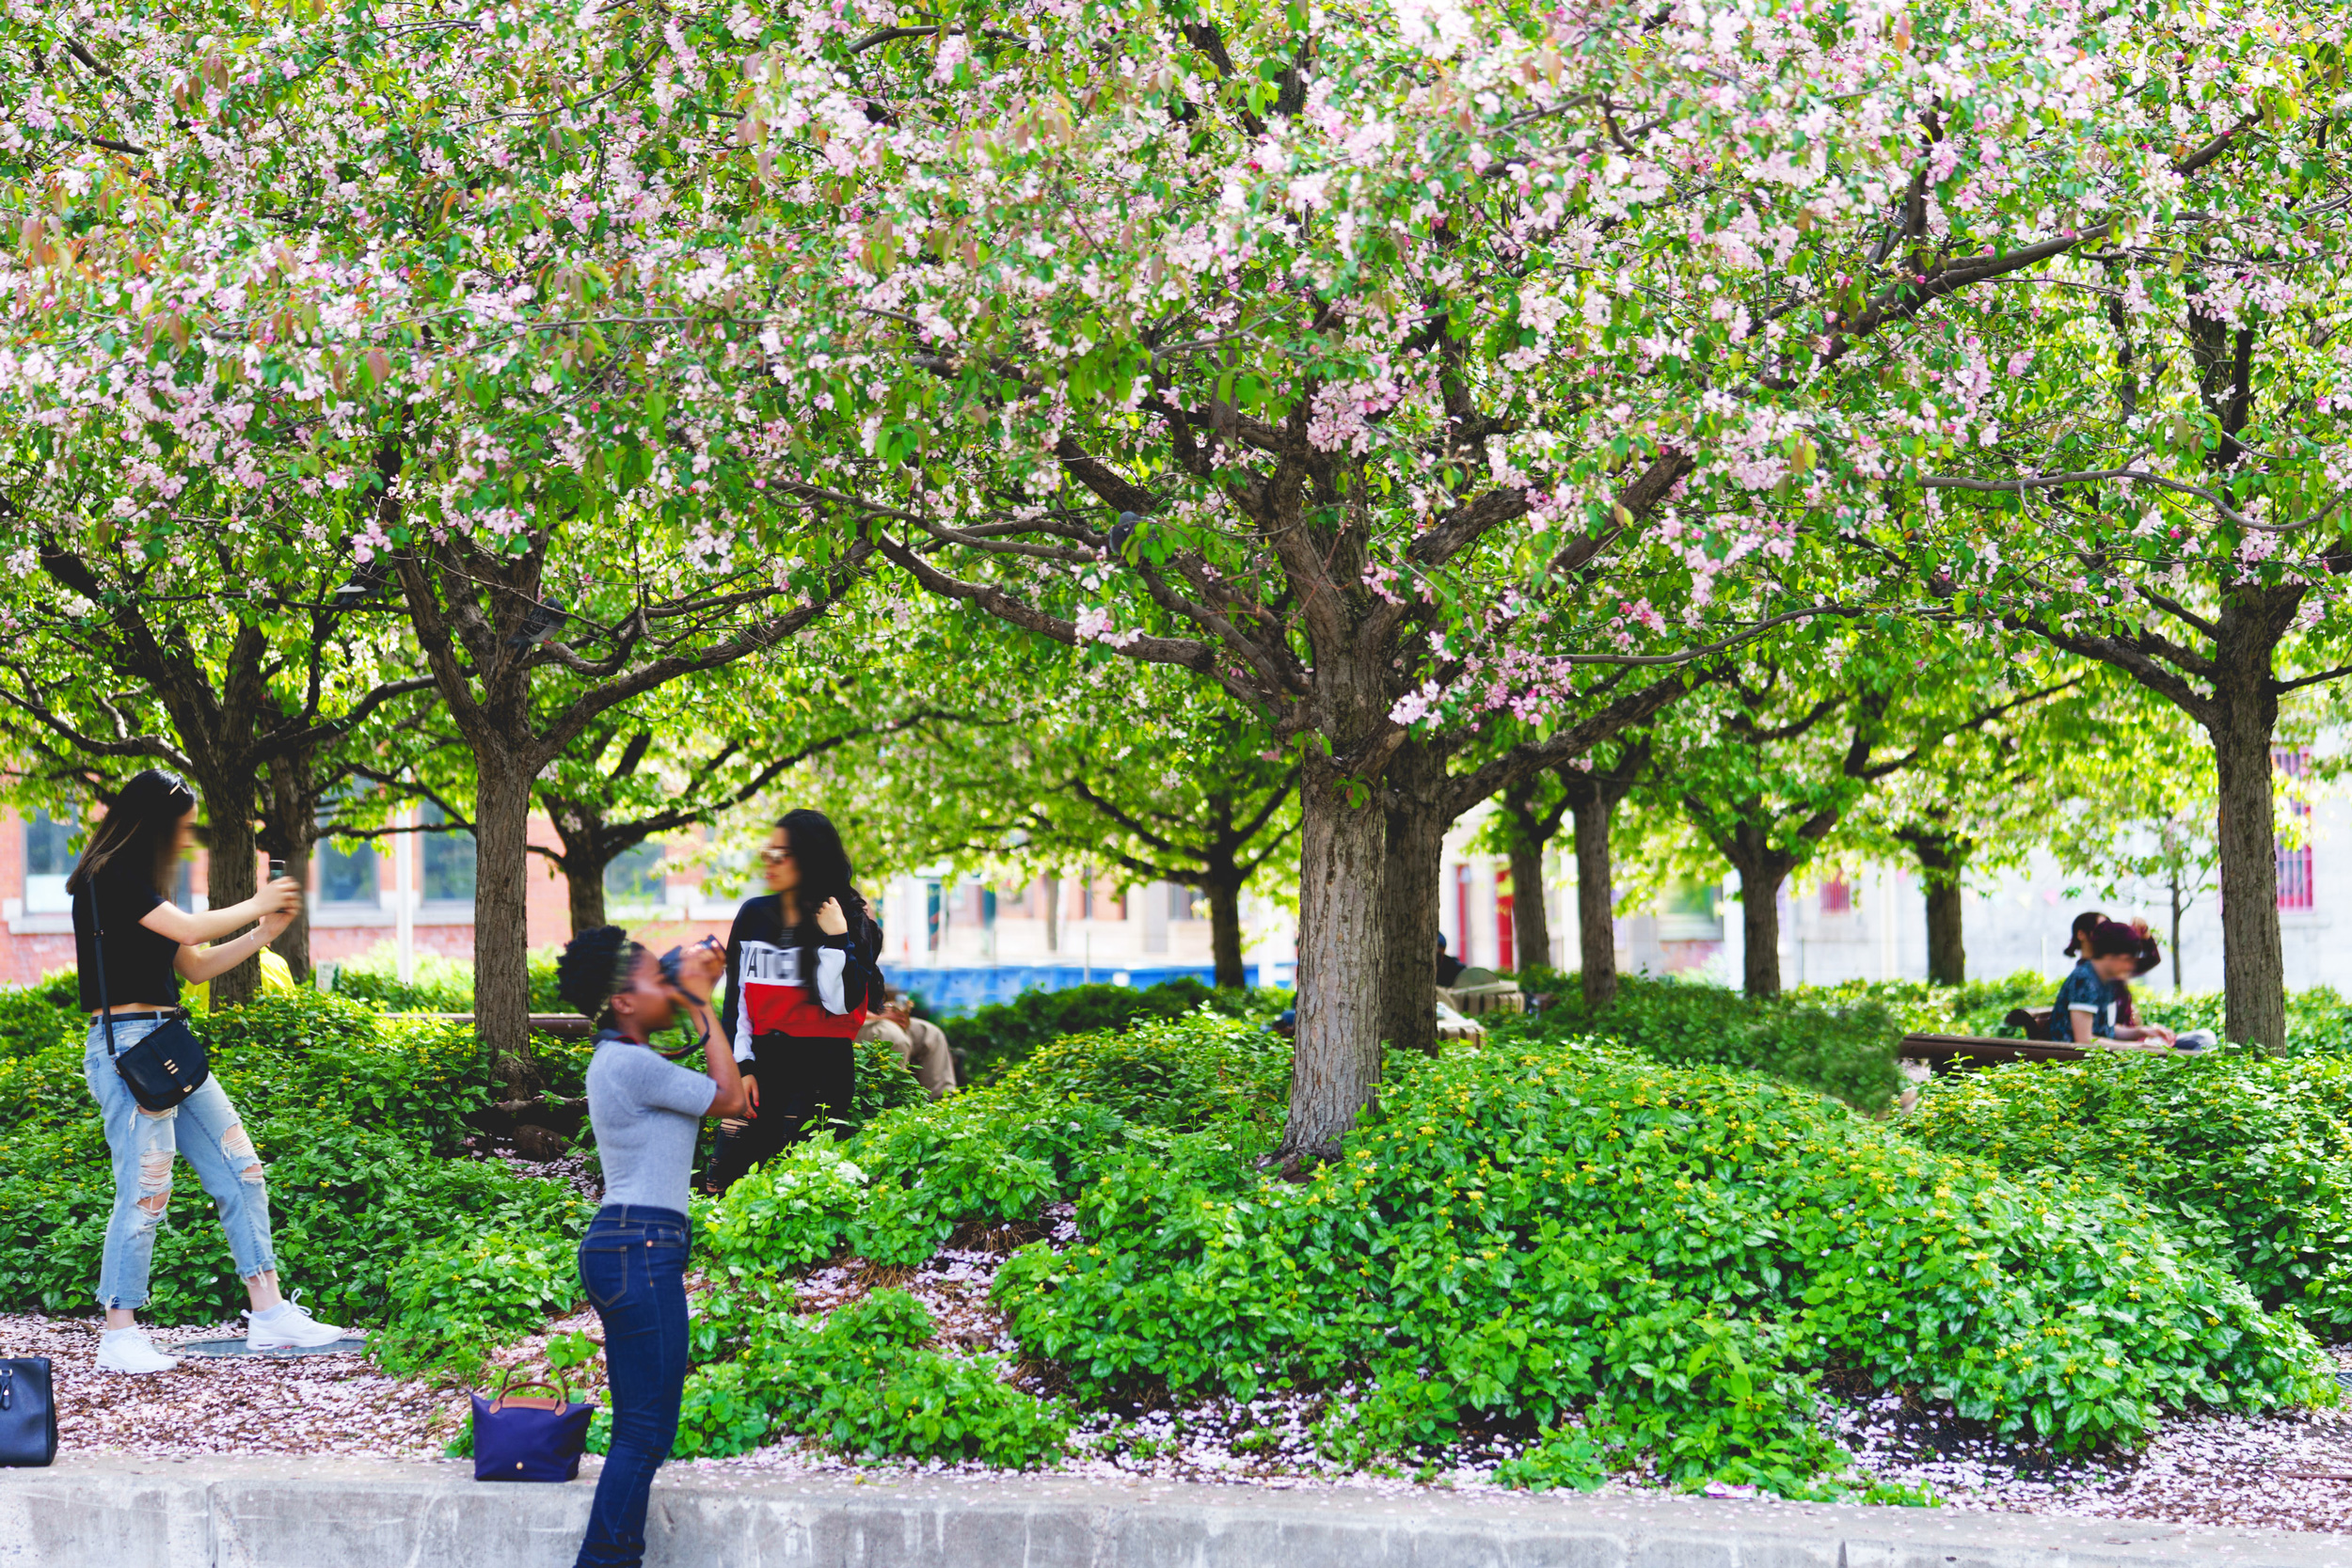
(775, 856)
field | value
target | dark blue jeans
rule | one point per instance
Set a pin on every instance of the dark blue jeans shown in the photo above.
(633, 1262)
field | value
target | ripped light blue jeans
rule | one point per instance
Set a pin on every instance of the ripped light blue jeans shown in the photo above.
(206, 1128)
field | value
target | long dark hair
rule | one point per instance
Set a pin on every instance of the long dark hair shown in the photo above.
(2079, 934)
(825, 873)
(141, 829)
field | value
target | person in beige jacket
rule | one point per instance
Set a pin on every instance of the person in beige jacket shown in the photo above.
(919, 1042)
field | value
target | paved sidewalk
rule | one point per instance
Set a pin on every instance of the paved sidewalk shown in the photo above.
(119, 1512)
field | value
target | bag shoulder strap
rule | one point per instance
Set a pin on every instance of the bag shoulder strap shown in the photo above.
(98, 951)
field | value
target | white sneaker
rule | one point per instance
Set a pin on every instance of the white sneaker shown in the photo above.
(129, 1350)
(289, 1325)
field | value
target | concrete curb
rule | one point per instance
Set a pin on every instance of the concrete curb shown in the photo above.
(95, 1511)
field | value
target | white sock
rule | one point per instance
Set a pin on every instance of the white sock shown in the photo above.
(117, 1333)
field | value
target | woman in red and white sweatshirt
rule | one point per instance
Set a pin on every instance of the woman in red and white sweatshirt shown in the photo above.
(800, 979)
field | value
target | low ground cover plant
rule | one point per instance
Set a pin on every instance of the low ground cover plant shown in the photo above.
(1611, 1259)
(1629, 1263)
(2250, 1156)
(360, 1120)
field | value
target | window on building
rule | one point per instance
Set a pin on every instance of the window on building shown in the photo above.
(1837, 896)
(2296, 891)
(49, 859)
(635, 875)
(448, 861)
(1185, 903)
(348, 873)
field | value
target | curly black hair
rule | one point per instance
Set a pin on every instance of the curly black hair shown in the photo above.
(592, 966)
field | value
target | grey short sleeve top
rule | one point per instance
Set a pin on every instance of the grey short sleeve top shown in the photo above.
(645, 1112)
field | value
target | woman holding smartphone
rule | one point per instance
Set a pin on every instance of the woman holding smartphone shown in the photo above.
(802, 976)
(633, 1262)
(149, 945)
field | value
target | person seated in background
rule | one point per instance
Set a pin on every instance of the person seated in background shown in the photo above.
(2079, 934)
(2149, 955)
(2085, 1009)
(919, 1042)
(1449, 967)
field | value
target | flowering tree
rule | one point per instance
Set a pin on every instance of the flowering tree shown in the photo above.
(471, 296)
(1783, 751)
(2066, 775)
(1453, 359)
(219, 659)
(2162, 467)
(1082, 759)
(1586, 792)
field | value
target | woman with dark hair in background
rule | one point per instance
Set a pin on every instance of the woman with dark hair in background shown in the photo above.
(802, 976)
(150, 945)
(2149, 955)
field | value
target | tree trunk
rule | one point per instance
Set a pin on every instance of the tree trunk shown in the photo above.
(1343, 965)
(293, 943)
(1053, 914)
(231, 878)
(1596, 902)
(1225, 930)
(583, 883)
(1415, 833)
(1947, 956)
(1943, 859)
(1762, 870)
(2253, 968)
(289, 835)
(1759, 923)
(2176, 927)
(501, 966)
(1531, 923)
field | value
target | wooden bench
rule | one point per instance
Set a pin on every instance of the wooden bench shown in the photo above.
(1944, 1052)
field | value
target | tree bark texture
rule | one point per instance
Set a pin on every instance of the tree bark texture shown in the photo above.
(230, 876)
(1596, 902)
(1415, 830)
(1759, 923)
(1947, 954)
(1342, 963)
(1762, 871)
(1225, 931)
(1943, 861)
(1531, 923)
(2243, 722)
(291, 834)
(501, 964)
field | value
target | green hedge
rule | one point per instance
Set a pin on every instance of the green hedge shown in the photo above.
(437, 984)
(1840, 1045)
(987, 1041)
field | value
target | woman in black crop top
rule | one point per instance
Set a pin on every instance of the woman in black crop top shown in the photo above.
(147, 946)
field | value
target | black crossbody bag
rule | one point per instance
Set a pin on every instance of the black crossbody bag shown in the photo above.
(168, 1064)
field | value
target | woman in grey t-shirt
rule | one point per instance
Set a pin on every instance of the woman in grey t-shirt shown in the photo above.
(632, 1262)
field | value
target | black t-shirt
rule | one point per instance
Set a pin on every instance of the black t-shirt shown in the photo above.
(139, 962)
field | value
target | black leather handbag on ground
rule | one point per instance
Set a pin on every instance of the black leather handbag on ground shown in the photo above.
(28, 1413)
(168, 1064)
